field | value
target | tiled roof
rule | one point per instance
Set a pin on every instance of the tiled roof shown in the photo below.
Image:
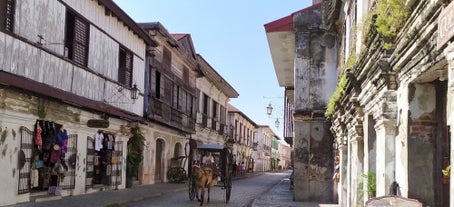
(286, 23)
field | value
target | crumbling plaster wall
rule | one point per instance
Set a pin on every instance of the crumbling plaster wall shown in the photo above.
(315, 79)
(421, 143)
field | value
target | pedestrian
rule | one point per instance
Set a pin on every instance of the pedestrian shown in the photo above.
(238, 169)
(243, 167)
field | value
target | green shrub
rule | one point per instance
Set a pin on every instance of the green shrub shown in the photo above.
(391, 17)
(370, 181)
(338, 93)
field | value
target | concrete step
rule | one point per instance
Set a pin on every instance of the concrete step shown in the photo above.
(43, 196)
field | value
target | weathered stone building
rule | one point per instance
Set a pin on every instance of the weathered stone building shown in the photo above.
(284, 156)
(262, 148)
(392, 109)
(67, 75)
(304, 57)
(214, 94)
(241, 136)
(171, 106)
(84, 80)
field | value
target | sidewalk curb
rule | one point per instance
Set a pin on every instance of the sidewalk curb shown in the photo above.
(137, 199)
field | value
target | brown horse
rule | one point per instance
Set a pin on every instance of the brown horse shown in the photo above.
(203, 179)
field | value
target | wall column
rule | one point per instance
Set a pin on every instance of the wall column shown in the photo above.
(313, 160)
(386, 133)
(343, 188)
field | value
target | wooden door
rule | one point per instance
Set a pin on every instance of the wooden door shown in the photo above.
(159, 163)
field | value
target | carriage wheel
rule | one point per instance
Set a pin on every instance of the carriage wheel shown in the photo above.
(228, 189)
(192, 188)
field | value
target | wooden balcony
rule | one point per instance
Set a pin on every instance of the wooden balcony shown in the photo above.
(165, 114)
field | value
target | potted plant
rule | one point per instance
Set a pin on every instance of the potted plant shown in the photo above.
(135, 155)
(370, 181)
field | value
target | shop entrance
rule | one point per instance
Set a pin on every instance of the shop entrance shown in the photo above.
(103, 160)
(47, 158)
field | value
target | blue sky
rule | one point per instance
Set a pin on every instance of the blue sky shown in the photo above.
(230, 36)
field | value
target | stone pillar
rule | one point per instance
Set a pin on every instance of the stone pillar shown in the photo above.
(356, 170)
(342, 186)
(301, 146)
(313, 161)
(402, 140)
(386, 133)
(349, 171)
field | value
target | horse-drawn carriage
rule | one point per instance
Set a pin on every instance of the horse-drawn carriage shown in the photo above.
(220, 170)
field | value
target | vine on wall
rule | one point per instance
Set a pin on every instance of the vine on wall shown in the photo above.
(338, 93)
(387, 17)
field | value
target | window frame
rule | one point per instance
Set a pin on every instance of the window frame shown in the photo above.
(125, 66)
(77, 38)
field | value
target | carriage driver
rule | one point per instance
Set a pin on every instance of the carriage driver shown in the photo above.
(207, 159)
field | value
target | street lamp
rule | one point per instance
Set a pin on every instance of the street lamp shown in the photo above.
(120, 95)
(276, 123)
(269, 109)
(134, 92)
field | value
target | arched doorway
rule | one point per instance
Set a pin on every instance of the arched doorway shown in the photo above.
(160, 149)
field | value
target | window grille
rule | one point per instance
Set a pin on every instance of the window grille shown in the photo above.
(76, 39)
(125, 67)
(7, 10)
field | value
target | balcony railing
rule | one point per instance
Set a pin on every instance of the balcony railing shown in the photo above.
(166, 114)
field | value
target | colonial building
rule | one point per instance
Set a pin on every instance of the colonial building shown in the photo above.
(262, 148)
(213, 94)
(66, 104)
(392, 109)
(304, 57)
(285, 156)
(242, 135)
(171, 106)
(275, 152)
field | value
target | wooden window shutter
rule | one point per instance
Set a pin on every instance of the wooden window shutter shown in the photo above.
(222, 115)
(80, 42)
(182, 102)
(167, 96)
(125, 67)
(214, 111)
(196, 100)
(153, 81)
(161, 85)
(128, 71)
(7, 8)
(167, 57)
(186, 75)
(175, 95)
(188, 104)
